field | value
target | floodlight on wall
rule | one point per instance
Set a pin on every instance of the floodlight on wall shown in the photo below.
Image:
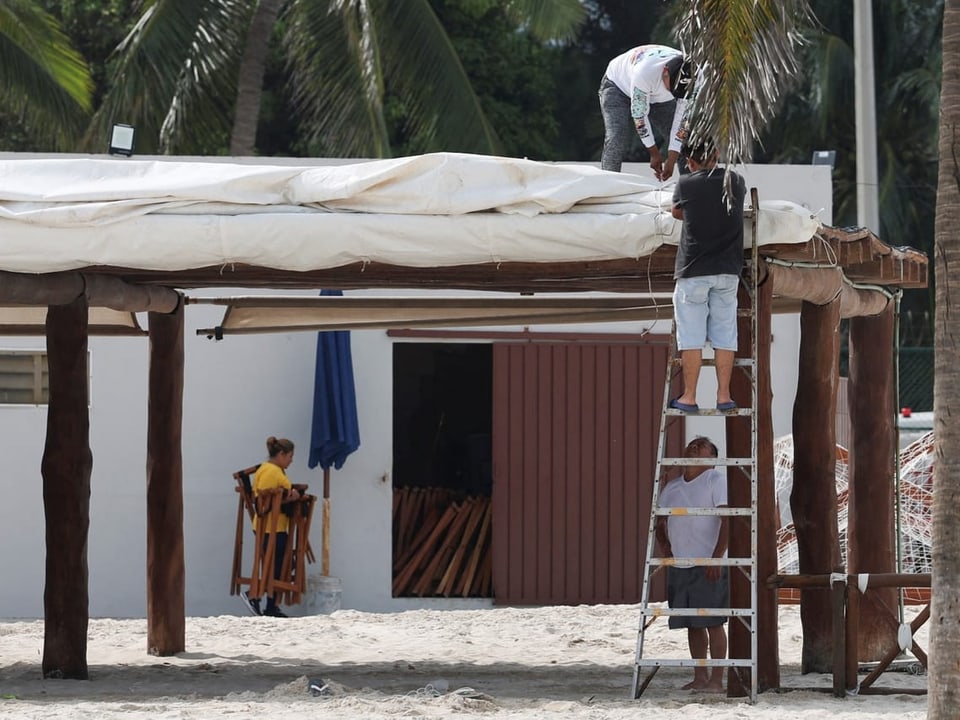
(121, 140)
(824, 157)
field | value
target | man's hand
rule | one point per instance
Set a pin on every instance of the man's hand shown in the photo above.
(713, 572)
(667, 172)
(656, 163)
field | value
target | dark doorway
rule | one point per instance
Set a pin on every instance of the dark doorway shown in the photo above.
(442, 400)
(442, 471)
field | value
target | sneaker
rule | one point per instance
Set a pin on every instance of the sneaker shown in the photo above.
(252, 603)
(319, 688)
(274, 612)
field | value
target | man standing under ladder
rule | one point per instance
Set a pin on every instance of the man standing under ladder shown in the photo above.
(698, 536)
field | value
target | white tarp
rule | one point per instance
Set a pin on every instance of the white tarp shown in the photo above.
(423, 211)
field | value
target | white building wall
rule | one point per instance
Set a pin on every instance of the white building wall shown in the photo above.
(237, 392)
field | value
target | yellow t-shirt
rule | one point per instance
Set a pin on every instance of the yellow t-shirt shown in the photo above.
(269, 477)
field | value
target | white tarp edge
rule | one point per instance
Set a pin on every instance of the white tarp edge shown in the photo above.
(423, 211)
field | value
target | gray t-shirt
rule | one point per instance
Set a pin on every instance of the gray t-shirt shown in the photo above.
(711, 242)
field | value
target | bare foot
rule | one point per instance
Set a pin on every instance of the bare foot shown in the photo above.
(695, 684)
(711, 688)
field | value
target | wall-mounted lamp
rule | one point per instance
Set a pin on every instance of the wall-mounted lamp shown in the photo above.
(121, 140)
(824, 157)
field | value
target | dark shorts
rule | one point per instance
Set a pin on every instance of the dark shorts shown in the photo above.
(690, 588)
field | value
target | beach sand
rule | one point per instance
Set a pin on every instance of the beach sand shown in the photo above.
(523, 663)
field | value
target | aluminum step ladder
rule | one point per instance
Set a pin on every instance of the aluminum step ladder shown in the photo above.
(646, 667)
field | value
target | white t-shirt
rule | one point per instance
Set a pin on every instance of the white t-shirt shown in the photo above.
(695, 536)
(638, 73)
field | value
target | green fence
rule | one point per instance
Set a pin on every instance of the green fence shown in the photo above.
(916, 377)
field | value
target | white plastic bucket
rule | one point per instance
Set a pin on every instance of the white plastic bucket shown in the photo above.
(322, 596)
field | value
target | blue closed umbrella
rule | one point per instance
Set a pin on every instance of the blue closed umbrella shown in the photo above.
(335, 431)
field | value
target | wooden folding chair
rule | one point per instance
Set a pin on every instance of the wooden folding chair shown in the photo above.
(267, 506)
(245, 506)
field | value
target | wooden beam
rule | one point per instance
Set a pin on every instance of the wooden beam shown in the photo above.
(99, 291)
(813, 498)
(105, 291)
(646, 274)
(871, 544)
(822, 285)
(165, 549)
(66, 466)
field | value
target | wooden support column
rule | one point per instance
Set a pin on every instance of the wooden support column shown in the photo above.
(739, 445)
(813, 499)
(871, 542)
(165, 555)
(66, 466)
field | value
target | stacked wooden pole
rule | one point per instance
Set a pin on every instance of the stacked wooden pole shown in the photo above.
(441, 544)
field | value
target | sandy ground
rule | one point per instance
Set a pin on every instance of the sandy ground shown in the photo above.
(555, 662)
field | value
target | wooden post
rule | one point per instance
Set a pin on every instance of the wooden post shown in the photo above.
(839, 597)
(871, 544)
(66, 466)
(813, 499)
(165, 562)
(738, 445)
(851, 631)
(325, 538)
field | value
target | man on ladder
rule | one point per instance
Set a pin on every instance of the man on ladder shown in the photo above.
(709, 262)
(693, 586)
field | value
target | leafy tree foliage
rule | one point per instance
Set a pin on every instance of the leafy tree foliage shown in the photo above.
(820, 115)
(179, 78)
(44, 83)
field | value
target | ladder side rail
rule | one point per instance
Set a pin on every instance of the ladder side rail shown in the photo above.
(754, 389)
(652, 529)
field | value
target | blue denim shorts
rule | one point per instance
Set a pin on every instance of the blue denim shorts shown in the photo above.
(706, 310)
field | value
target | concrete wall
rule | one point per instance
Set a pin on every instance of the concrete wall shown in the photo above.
(238, 392)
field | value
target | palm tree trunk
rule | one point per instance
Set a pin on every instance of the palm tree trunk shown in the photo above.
(944, 681)
(250, 83)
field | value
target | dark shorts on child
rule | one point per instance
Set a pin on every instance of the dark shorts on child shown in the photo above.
(690, 588)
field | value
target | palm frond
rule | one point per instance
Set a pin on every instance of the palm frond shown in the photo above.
(42, 77)
(337, 79)
(918, 88)
(347, 56)
(833, 61)
(168, 63)
(748, 52)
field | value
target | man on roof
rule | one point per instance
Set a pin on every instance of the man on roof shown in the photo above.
(648, 84)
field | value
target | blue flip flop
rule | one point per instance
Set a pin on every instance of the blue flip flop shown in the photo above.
(675, 404)
(728, 406)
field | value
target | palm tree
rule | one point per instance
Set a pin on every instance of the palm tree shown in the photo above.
(944, 681)
(42, 78)
(189, 74)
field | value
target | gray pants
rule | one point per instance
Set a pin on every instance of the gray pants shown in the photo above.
(619, 129)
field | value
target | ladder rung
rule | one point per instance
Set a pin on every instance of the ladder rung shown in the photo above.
(746, 312)
(715, 511)
(709, 462)
(690, 662)
(711, 411)
(697, 612)
(706, 562)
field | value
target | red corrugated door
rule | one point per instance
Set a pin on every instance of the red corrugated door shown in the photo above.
(575, 429)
